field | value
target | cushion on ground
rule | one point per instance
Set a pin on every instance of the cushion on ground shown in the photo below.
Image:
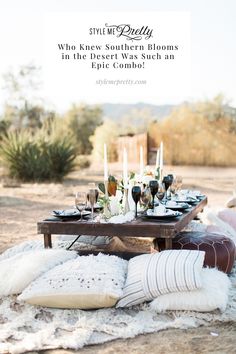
(18, 271)
(213, 295)
(151, 275)
(87, 282)
(231, 203)
(229, 216)
(220, 250)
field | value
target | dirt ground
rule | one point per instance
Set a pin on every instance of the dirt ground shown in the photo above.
(21, 206)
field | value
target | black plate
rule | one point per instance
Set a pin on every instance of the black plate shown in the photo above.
(75, 215)
(96, 208)
(163, 217)
(177, 208)
(189, 201)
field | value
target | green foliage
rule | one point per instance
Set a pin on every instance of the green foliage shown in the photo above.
(4, 125)
(82, 121)
(40, 157)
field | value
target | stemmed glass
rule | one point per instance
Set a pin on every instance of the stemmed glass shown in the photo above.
(136, 195)
(145, 196)
(161, 192)
(179, 181)
(153, 185)
(174, 187)
(167, 181)
(92, 200)
(80, 202)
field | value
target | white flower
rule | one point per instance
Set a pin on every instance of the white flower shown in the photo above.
(146, 179)
(114, 205)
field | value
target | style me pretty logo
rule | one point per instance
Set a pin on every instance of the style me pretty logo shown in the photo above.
(123, 30)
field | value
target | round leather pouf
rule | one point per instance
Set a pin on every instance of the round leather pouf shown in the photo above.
(220, 250)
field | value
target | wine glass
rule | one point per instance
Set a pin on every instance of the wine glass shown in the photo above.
(167, 181)
(136, 195)
(174, 187)
(153, 185)
(179, 181)
(145, 196)
(80, 202)
(161, 192)
(92, 200)
(92, 185)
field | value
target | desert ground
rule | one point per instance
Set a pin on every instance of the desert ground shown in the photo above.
(22, 205)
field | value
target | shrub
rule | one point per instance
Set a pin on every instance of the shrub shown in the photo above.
(82, 161)
(37, 158)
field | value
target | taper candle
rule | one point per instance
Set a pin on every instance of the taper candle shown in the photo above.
(161, 156)
(158, 159)
(141, 161)
(125, 168)
(105, 163)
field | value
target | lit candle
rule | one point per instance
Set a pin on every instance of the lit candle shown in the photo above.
(105, 163)
(141, 160)
(125, 168)
(158, 159)
(161, 156)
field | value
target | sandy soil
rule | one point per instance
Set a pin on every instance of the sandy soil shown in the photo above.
(21, 206)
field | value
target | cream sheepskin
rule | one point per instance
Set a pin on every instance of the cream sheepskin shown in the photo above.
(18, 271)
(213, 295)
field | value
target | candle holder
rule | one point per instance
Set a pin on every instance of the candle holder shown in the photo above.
(126, 201)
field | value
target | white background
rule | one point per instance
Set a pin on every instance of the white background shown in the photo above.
(164, 78)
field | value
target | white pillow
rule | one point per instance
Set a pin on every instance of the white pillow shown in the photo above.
(18, 271)
(213, 295)
(151, 275)
(22, 247)
(87, 282)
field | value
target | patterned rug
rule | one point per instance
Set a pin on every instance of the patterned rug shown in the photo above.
(27, 328)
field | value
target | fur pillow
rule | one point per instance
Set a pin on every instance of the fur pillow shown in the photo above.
(151, 275)
(18, 271)
(87, 282)
(231, 203)
(213, 295)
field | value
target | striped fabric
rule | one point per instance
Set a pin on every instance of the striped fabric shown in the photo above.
(151, 275)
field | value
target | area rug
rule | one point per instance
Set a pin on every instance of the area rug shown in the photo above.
(26, 328)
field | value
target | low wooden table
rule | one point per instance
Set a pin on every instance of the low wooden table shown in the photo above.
(137, 228)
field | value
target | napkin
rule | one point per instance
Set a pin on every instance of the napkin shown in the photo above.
(120, 219)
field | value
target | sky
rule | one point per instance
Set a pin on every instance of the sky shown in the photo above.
(213, 49)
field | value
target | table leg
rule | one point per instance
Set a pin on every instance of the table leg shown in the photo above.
(73, 242)
(168, 243)
(47, 241)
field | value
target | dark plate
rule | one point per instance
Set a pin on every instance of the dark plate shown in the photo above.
(63, 215)
(189, 201)
(96, 208)
(163, 217)
(177, 208)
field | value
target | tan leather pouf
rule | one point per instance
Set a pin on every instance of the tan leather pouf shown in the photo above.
(220, 250)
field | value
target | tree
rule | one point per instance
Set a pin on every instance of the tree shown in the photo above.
(82, 120)
(23, 106)
(135, 122)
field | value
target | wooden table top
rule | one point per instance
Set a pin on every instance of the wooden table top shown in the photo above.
(140, 227)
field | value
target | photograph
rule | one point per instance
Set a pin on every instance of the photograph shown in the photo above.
(117, 177)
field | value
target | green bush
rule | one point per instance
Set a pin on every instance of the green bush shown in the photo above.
(41, 157)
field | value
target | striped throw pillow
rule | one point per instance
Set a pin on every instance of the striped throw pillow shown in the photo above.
(152, 275)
